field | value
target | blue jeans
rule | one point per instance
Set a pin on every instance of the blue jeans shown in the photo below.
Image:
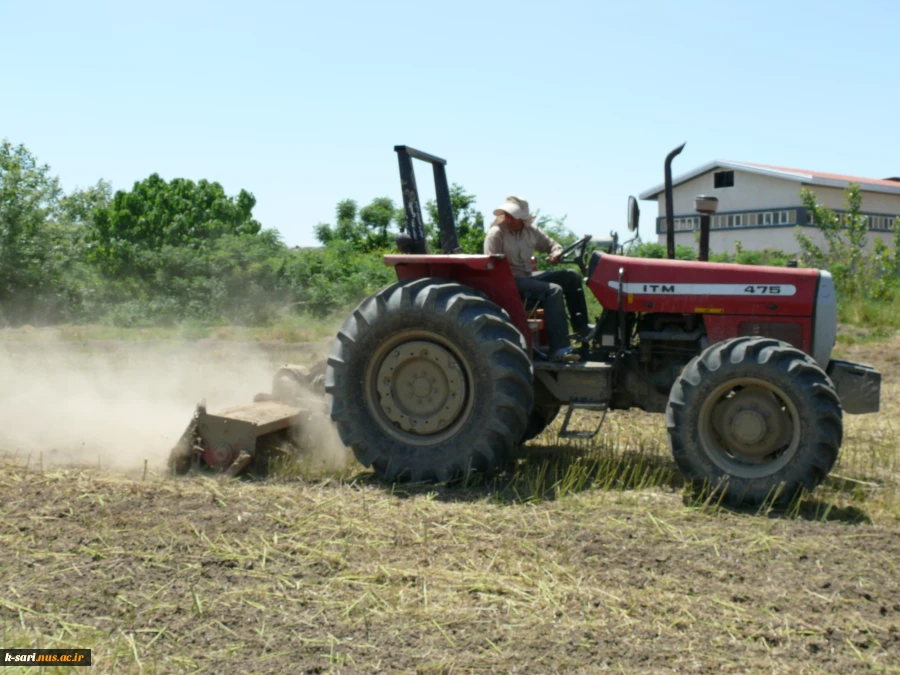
(556, 289)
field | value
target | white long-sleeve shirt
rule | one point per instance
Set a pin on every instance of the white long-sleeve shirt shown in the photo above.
(519, 247)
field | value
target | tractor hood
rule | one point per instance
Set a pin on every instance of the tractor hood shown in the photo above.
(685, 287)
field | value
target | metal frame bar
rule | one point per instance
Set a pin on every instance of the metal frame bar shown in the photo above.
(413, 208)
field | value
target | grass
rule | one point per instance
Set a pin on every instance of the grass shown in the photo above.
(867, 320)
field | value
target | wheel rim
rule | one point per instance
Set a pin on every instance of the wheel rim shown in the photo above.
(749, 428)
(419, 387)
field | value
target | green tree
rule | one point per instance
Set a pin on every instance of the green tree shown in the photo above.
(28, 198)
(43, 276)
(77, 208)
(856, 272)
(469, 222)
(347, 227)
(362, 229)
(556, 229)
(377, 218)
(156, 214)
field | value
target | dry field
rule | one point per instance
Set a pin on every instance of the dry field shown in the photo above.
(577, 559)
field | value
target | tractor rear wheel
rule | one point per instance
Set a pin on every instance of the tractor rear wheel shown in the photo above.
(429, 380)
(754, 418)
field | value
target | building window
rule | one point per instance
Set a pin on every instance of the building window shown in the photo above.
(723, 179)
(810, 218)
(687, 224)
(683, 224)
(872, 222)
(786, 217)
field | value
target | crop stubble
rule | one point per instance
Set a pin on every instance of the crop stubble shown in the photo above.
(577, 559)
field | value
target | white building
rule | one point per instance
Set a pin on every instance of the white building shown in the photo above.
(760, 205)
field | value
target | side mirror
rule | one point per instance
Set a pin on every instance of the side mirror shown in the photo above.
(634, 214)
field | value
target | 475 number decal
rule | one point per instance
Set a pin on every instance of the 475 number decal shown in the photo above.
(669, 288)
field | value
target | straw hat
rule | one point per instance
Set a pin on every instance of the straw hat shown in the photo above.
(517, 208)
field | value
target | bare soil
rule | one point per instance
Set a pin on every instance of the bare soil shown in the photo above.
(578, 559)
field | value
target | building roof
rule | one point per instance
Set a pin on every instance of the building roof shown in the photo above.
(889, 185)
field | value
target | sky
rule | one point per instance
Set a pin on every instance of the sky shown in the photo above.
(571, 105)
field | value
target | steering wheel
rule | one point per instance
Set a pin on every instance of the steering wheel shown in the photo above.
(579, 247)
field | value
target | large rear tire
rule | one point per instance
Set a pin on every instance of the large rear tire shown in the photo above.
(755, 418)
(429, 380)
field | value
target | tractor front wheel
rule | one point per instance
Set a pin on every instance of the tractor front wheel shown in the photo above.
(755, 418)
(429, 380)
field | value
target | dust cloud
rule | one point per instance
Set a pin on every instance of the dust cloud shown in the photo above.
(116, 404)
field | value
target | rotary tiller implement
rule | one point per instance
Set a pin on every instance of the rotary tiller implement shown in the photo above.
(232, 439)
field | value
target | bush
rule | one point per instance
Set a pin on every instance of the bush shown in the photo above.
(769, 256)
(244, 280)
(653, 249)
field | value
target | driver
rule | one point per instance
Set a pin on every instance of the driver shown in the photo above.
(514, 235)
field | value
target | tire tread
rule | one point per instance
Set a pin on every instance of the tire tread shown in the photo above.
(500, 346)
(807, 383)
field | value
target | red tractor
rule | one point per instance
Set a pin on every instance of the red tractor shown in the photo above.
(443, 373)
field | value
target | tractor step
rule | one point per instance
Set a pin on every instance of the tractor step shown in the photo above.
(587, 384)
(565, 432)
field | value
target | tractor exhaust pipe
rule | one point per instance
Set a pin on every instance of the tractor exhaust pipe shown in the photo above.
(705, 206)
(704, 238)
(670, 209)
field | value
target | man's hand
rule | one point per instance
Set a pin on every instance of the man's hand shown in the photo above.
(553, 258)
